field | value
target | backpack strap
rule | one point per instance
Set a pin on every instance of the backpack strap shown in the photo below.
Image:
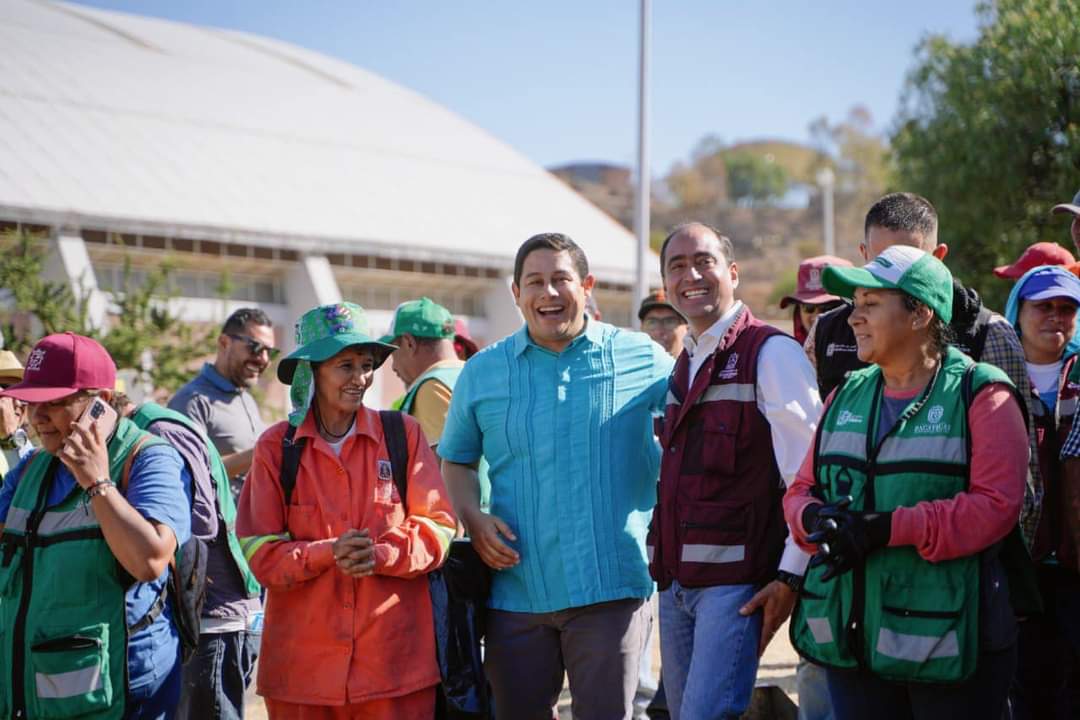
(125, 476)
(397, 445)
(291, 450)
(978, 343)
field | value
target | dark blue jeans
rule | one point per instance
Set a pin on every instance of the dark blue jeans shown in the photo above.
(217, 675)
(157, 700)
(857, 695)
(1048, 679)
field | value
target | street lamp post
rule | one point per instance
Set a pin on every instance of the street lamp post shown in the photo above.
(827, 180)
(641, 200)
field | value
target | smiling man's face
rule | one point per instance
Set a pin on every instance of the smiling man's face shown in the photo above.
(698, 280)
(552, 298)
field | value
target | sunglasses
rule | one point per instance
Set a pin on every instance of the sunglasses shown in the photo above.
(255, 347)
(668, 323)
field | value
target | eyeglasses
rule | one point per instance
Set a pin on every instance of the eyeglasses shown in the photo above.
(255, 347)
(668, 323)
(70, 399)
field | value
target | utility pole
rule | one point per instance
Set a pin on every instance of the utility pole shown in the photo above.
(827, 180)
(641, 201)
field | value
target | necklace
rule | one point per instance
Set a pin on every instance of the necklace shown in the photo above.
(326, 431)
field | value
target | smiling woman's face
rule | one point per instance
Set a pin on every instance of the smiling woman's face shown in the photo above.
(341, 381)
(52, 420)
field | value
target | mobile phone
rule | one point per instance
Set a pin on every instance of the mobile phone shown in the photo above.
(103, 413)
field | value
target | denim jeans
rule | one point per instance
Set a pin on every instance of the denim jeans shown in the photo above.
(813, 689)
(708, 650)
(858, 694)
(217, 675)
(157, 700)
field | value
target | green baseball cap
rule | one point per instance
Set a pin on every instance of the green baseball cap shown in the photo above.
(421, 318)
(327, 330)
(908, 269)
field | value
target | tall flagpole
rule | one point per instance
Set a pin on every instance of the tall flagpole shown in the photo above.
(641, 200)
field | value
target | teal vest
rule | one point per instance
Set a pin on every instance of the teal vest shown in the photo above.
(149, 413)
(448, 376)
(899, 616)
(63, 629)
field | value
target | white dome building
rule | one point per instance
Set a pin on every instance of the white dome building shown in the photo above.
(309, 179)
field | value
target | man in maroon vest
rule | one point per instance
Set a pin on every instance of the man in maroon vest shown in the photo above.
(740, 416)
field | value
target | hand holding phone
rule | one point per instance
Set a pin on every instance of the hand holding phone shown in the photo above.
(101, 412)
(84, 451)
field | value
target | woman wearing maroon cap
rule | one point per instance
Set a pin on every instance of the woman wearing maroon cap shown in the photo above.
(88, 525)
(810, 298)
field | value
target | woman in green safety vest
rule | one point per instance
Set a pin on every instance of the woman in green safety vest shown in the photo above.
(916, 475)
(1042, 307)
(88, 526)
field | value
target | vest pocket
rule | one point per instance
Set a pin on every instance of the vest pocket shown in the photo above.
(921, 632)
(713, 545)
(71, 674)
(817, 628)
(719, 443)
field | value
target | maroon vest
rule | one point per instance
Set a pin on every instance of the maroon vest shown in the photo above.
(719, 519)
(1051, 430)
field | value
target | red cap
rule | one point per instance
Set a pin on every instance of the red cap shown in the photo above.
(1041, 253)
(464, 345)
(809, 289)
(62, 364)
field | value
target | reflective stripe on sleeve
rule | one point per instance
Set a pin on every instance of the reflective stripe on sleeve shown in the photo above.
(250, 545)
(442, 533)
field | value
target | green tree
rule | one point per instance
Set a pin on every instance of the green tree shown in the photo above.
(144, 334)
(754, 179)
(990, 132)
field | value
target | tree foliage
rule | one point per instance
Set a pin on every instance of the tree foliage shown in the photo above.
(990, 132)
(144, 334)
(754, 179)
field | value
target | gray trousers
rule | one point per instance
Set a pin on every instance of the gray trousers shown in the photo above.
(598, 646)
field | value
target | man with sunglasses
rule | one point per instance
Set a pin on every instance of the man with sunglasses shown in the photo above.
(662, 322)
(219, 404)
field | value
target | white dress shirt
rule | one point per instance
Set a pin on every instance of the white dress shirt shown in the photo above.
(787, 395)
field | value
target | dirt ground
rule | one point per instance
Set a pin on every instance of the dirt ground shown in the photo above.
(777, 668)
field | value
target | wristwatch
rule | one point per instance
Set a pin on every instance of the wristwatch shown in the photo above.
(792, 580)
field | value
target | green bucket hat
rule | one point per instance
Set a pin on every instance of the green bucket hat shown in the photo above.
(421, 318)
(320, 334)
(899, 267)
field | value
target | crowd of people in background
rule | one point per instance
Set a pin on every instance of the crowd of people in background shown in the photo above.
(898, 478)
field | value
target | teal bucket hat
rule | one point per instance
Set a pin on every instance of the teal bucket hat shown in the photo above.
(321, 334)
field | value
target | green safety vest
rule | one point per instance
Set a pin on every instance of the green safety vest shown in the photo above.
(448, 376)
(149, 413)
(63, 626)
(901, 617)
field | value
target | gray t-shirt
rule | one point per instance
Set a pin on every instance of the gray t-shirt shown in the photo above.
(227, 414)
(225, 596)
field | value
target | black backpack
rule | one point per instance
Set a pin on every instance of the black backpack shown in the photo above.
(458, 595)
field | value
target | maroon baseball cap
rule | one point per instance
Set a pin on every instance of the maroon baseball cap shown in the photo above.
(809, 289)
(1041, 253)
(62, 364)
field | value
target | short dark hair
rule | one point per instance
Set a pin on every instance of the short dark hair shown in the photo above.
(902, 211)
(242, 317)
(551, 241)
(726, 246)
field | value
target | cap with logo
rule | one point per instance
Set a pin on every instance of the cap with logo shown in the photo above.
(1041, 253)
(908, 269)
(655, 299)
(1073, 207)
(421, 318)
(809, 289)
(62, 364)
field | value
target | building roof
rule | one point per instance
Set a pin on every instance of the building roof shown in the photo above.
(121, 122)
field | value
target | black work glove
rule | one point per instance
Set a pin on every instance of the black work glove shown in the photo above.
(846, 537)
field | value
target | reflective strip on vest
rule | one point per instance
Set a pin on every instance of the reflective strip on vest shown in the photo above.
(841, 442)
(1037, 408)
(713, 553)
(250, 545)
(740, 392)
(917, 648)
(1067, 407)
(68, 684)
(938, 448)
(54, 522)
(650, 551)
(820, 629)
(442, 533)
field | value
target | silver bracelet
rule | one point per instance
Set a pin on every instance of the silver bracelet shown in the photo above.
(99, 487)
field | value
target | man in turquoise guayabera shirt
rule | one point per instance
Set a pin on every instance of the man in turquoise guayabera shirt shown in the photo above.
(562, 411)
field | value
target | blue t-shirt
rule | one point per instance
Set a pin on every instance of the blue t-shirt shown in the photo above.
(573, 461)
(158, 488)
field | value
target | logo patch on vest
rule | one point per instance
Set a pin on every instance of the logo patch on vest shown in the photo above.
(933, 422)
(386, 472)
(834, 348)
(36, 359)
(732, 368)
(847, 417)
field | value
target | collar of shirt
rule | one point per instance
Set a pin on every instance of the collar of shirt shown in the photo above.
(710, 339)
(593, 332)
(366, 424)
(218, 380)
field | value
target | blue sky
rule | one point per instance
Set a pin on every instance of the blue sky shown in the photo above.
(557, 80)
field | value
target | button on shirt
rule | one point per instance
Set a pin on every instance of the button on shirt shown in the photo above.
(573, 461)
(787, 396)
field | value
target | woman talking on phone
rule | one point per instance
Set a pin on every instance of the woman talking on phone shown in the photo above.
(88, 525)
